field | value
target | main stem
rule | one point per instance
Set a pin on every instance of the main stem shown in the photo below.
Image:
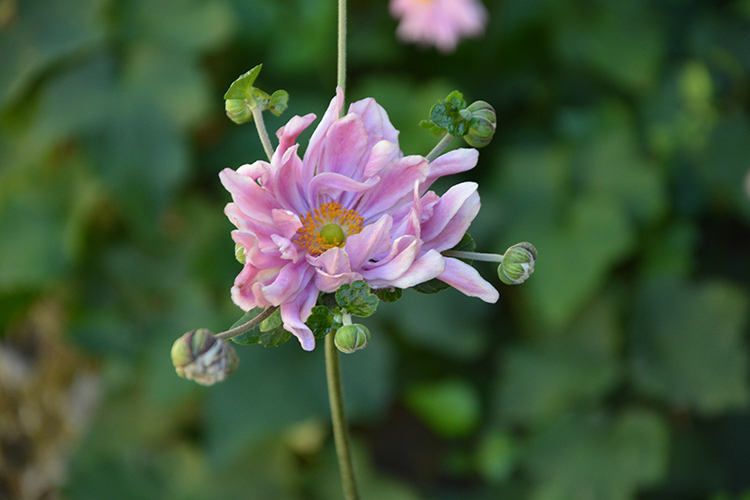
(341, 66)
(338, 417)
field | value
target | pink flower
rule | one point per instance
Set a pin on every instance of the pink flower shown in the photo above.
(441, 23)
(354, 208)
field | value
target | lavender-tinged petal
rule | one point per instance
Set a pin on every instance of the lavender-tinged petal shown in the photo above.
(450, 203)
(252, 199)
(312, 154)
(246, 290)
(295, 313)
(256, 254)
(329, 283)
(285, 183)
(288, 133)
(287, 222)
(395, 186)
(468, 281)
(286, 248)
(333, 185)
(255, 170)
(382, 154)
(344, 148)
(457, 226)
(291, 279)
(376, 120)
(452, 162)
(396, 265)
(428, 266)
(333, 261)
(373, 241)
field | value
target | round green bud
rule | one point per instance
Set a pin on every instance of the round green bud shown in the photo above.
(518, 264)
(239, 253)
(238, 110)
(200, 356)
(350, 338)
(332, 234)
(482, 124)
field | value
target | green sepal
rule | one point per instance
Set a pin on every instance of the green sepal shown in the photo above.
(435, 285)
(278, 102)
(269, 333)
(388, 295)
(323, 321)
(449, 115)
(242, 86)
(357, 299)
(242, 98)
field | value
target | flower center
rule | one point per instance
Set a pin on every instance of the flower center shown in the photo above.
(327, 227)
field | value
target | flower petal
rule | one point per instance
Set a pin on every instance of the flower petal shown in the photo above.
(452, 162)
(344, 148)
(382, 154)
(252, 199)
(403, 253)
(395, 187)
(312, 154)
(333, 185)
(467, 280)
(373, 241)
(290, 280)
(444, 211)
(428, 266)
(295, 313)
(376, 121)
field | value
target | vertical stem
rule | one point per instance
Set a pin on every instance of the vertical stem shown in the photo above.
(262, 132)
(439, 147)
(341, 66)
(336, 399)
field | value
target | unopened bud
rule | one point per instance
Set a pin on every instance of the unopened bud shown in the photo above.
(239, 253)
(350, 338)
(200, 356)
(518, 264)
(239, 110)
(482, 124)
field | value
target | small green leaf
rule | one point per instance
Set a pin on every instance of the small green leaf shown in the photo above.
(357, 299)
(246, 338)
(322, 321)
(389, 295)
(241, 87)
(272, 322)
(278, 102)
(447, 115)
(274, 337)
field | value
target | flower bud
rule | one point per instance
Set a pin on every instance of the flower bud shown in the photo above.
(239, 253)
(239, 110)
(518, 264)
(482, 125)
(200, 356)
(350, 338)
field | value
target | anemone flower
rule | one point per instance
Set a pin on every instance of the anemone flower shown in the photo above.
(441, 23)
(353, 208)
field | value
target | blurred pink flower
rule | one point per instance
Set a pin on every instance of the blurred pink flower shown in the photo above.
(354, 208)
(441, 23)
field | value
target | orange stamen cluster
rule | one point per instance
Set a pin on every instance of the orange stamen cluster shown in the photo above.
(313, 223)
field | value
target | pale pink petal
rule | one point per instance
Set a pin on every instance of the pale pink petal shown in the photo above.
(452, 162)
(395, 186)
(457, 225)
(290, 280)
(332, 269)
(376, 121)
(312, 155)
(344, 148)
(287, 222)
(252, 199)
(286, 248)
(404, 251)
(295, 313)
(373, 241)
(333, 185)
(382, 154)
(428, 266)
(255, 170)
(468, 281)
(448, 206)
(245, 292)
(255, 254)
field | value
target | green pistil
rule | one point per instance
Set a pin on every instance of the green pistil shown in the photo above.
(332, 234)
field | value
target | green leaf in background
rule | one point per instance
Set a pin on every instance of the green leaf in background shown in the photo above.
(389, 295)
(553, 375)
(450, 407)
(688, 345)
(357, 299)
(496, 456)
(270, 333)
(598, 456)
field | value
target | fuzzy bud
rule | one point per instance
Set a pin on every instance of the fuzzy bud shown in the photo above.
(350, 338)
(239, 253)
(518, 264)
(482, 124)
(200, 356)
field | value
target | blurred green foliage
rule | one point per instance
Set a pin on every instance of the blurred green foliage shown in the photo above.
(618, 371)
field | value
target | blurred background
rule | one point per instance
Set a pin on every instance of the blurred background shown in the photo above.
(619, 371)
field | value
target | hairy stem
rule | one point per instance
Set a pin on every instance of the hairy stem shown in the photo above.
(486, 257)
(439, 147)
(262, 132)
(341, 66)
(249, 325)
(338, 417)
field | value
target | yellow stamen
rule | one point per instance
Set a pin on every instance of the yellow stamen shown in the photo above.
(317, 234)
